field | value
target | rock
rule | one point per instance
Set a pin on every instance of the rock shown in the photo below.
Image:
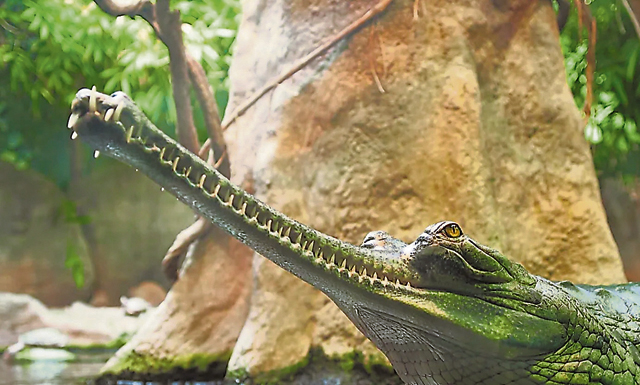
(476, 124)
(134, 306)
(86, 325)
(150, 291)
(19, 313)
(44, 337)
(196, 326)
(34, 239)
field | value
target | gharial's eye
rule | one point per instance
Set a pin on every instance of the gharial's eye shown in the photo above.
(452, 230)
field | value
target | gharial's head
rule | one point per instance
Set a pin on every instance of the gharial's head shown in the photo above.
(444, 258)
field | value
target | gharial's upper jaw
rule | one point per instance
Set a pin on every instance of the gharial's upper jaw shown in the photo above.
(89, 101)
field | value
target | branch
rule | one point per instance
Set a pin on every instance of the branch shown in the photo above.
(375, 10)
(171, 29)
(633, 8)
(207, 102)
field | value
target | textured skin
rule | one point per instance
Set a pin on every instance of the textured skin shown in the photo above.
(445, 309)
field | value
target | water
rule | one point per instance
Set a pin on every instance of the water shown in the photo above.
(54, 373)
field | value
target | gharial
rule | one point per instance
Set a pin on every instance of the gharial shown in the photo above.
(444, 309)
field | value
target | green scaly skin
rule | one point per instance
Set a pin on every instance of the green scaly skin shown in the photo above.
(444, 309)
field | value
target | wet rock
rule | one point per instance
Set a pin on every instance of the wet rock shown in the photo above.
(44, 354)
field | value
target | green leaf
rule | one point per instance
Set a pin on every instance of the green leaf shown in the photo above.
(74, 263)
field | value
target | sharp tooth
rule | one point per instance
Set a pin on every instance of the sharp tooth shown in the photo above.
(332, 260)
(175, 164)
(201, 181)
(385, 281)
(96, 154)
(161, 151)
(321, 255)
(352, 271)
(280, 231)
(287, 231)
(119, 108)
(344, 264)
(398, 283)
(408, 285)
(108, 115)
(310, 246)
(230, 201)
(130, 134)
(304, 245)
(93, 100)
(268, 226)
(363, 271)
(216, 190)
(73, 119)
(243, 209)
(375, 276)
(186, 174)
(74, 135)
(299, 239)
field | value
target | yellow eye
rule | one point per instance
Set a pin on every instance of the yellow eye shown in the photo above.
(453, 230)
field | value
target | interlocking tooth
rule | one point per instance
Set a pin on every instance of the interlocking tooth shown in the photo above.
(268, 226)
(375, 276)
(130, 134)
(352, 271)
(243, 209)
(186, 173)
(385, 281)
(74, 135)
(408, 285)
(299, 238)
(118, 111)
(321, 255)
(344, 264)
(175, 164)
(73, 119)
(161, 151)
(332, 261)
(398, 283)
(363, 271)
(287, 231)
(96, 154)
(310, 246)
(201, 181)
(230, 201)
(108, 115)
(93, 100)
(216, 190)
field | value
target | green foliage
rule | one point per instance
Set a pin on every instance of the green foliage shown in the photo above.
(68, 211)
(613, 126)
(73, 262)
(50, 49)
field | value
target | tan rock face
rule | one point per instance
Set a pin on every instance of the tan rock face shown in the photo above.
(201, 316)
(476, 125)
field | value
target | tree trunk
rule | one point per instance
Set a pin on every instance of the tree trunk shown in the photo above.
(476, 124)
